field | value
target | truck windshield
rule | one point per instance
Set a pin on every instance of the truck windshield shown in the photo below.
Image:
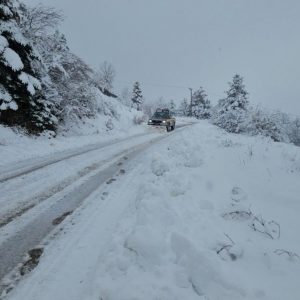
(161, 115)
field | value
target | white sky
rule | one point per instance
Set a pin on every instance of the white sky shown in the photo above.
(192, 43)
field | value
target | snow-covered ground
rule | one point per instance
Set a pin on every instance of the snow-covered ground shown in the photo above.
(202, 214)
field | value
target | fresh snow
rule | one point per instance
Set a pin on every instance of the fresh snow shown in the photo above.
(3, 43)
(6, 10)
(8, 105)
(12, 59)
(7, 100)
(203, 214)
(31, 82)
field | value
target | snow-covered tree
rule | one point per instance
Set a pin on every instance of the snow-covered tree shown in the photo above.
(38, 21)
(161, 102)
(73, 78)
(125, 96)
(137, 96)
(172, 106)
(184, 107)
(231, 111)
(67, 79)
(105, 76)
(294, 134)
(22, 100)
(200, 104)
(39, 25)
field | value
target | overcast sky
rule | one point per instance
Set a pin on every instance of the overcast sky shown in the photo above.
(192, 43)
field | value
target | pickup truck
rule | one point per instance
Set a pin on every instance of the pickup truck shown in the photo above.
(162, 117)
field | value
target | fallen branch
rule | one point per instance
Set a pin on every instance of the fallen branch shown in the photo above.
(238, 215)
(260, 225)
(290, 254)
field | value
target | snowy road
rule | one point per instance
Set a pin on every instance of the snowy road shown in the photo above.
(36, 192)
(200, 215)
(24, 167)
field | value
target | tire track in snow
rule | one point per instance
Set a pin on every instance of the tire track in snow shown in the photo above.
(23, 167)
(26, 199)
(17, 244)
(13, 249)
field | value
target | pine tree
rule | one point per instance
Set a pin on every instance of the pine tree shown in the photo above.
(200, 104)
(22, 101)
(231, 111)
(137, 97)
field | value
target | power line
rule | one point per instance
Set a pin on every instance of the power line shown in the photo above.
(168, 86)
(157, 84)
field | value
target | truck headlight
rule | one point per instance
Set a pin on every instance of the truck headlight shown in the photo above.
(164, 121)
(150, 121)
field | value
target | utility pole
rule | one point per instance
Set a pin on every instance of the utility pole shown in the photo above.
(191, 90)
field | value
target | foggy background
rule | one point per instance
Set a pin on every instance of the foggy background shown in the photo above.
(170, 45)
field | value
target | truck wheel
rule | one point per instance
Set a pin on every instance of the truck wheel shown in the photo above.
(168, 127)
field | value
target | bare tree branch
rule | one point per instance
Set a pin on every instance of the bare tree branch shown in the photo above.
(270, 229)
(39, 20)
(105, 76)
(291, 255)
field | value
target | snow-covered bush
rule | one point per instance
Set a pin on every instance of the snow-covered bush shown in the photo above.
(139, 119)
(294, 133)
(260, 122)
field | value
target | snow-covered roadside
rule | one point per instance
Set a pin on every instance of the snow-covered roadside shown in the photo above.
(16, 147)
(203, 215)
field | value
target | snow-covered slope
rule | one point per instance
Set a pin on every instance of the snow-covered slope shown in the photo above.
(203, 215)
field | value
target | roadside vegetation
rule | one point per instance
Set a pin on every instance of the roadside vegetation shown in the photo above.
(235, 114)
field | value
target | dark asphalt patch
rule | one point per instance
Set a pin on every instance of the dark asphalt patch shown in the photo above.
(110, 181)
(59, 219)
(32, 261)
